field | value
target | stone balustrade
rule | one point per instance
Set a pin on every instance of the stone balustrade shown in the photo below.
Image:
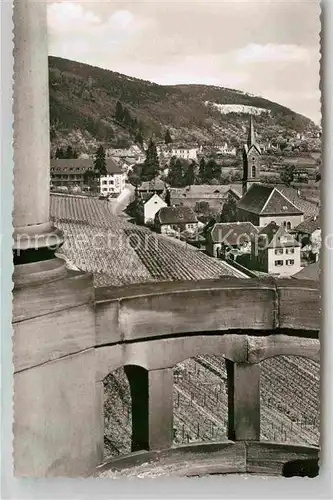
(84, 335)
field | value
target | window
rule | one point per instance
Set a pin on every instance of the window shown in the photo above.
(104, 182)
(111, 182)
(279, 251)
(290, 262)
(290, 250)
(288, 225)
(253, 171)
(278, 263)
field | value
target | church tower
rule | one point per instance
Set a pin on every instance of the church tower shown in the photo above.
(251, 159)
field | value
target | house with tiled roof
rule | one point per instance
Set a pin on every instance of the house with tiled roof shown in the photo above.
(155, 186)
(144, 209)
(308, 208)
(232, 237)
(263, 204)
(276, 251)
(114, 180)
(308, 233)
(70, 173)
(170, 220)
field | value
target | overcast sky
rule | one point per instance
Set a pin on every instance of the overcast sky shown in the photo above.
(268, 48)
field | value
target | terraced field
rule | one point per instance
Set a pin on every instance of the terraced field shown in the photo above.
(289, 403)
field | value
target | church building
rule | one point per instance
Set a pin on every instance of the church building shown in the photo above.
(262, 204)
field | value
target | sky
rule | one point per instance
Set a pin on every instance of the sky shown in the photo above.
(269, 48)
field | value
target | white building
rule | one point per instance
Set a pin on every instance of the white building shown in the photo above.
(227, 150)
(114, 181)
(148, 207)
(184, 153)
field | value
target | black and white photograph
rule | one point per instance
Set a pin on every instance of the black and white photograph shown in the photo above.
(167, 239)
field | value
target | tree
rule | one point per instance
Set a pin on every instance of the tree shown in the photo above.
(139, 138)
(202, 169)
(168, 138)
(176, 173)
(229, 210)
(99, 161)
(71, 153)
(167, 198)
(209, 171)
(151, 164)
(189, 175)
(119, 115)
(213, 170)
(134, 176)
(60, 154)
(287, 174)
(90, 178)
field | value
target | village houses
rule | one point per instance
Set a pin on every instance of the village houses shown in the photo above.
(174, 220)
(308, 233)
(114, 181)
(276, 251)
(69, 174)
(228, 240)
(145, 208)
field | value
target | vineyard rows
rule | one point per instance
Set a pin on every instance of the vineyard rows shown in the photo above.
(289, 402)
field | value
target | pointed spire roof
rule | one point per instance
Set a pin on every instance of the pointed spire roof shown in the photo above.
(251, 138)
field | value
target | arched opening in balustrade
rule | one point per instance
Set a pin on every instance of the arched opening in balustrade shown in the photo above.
(290, 400)
(117, 414)
(200, 400)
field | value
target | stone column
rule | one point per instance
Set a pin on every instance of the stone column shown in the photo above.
(243, 401)
(33, 232)
(55, 411)
(152, 407)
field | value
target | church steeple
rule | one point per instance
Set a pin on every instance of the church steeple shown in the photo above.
(251, 159)
(251, 138)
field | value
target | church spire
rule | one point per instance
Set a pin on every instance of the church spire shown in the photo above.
(251, 139)
(251, 159)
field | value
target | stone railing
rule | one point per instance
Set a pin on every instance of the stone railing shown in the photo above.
(148, 329)
(68, 338)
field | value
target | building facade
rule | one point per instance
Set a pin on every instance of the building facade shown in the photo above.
(276, 252)
(147, 207)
